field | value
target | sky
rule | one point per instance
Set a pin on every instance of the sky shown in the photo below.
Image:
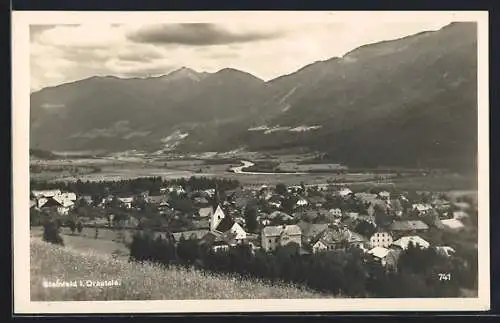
(66, 53)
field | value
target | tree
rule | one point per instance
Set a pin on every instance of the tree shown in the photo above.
(187, 250)
(251, 218)
(381, 217)
(281, 189)
(51, 232)
(365, 228)
(36, 217)
(72, 225)
(79, 227)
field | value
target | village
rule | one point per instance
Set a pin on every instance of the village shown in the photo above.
(314, 220)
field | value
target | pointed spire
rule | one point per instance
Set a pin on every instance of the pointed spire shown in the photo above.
(216, 200)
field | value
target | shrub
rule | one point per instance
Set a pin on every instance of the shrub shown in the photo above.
(51, 232)
(79, 226)
(72, 225)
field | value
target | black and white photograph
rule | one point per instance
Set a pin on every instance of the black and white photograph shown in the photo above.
(207, 161)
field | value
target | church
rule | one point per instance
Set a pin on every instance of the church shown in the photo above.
(220, 224)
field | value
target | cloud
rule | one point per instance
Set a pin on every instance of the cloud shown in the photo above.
(83, 36)
(196, 34)
(139, 56)
(66, 53)
(35, 30)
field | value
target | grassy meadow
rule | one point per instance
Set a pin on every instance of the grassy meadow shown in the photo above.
(137, 281)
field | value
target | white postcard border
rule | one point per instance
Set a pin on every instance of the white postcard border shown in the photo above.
(20, 133)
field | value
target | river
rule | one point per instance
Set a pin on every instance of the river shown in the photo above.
(246, 164)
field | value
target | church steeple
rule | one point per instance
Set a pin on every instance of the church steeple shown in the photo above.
(216, 200)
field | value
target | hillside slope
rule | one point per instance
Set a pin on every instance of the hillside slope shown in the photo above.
(137, 281)
(410, 101)
(117, 114)
(406, 102)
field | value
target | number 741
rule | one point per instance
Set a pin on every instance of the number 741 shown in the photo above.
(444, 276)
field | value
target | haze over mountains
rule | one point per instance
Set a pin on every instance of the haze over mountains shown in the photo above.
(407, 102)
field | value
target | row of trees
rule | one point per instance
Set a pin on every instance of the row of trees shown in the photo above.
(135, 186)
(342, 272)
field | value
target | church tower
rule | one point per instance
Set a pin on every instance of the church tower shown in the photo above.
(218, 213)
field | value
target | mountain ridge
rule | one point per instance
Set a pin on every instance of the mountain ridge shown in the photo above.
(379, 89)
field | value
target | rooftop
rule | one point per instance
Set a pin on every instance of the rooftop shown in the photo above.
(404, 242)
(409, 225)
(274, 231)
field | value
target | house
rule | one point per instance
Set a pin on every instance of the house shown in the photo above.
(63, 206)
(464, 206)
(157, 200)
(276, 200)
(42, 201)
(106, 200)
(366, 218)
(445, 251)
(201, 223)
(311, 230)
(218, 242)
(386, 257)
(220, 245)
(307, 215)
(317, 201)
(296, 189)
(441, 204)
(404, 242)
(263, 219)
(193, 234)
(452, 225)
(366, 197)
(301, 202)
(280, 216)
(336, 212)
(344, 192)
(210, 192)
(355, 239)
(126, 202)
(384, 195)
(177, 189)
(274, 236)
(349, 222)
(459, 215)
(68, 196)
(45, 193)
(381, 239)
(88, 199)
(205, 212)
(200, 201)
(168, 212)
(422, 209)
(409, 226)
(379, 253)
(331, 239)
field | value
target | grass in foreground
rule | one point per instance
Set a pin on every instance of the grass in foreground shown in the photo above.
(137, 281)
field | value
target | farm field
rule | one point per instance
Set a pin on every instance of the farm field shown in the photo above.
(106, 243)
(137, 281)
(118, 168)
